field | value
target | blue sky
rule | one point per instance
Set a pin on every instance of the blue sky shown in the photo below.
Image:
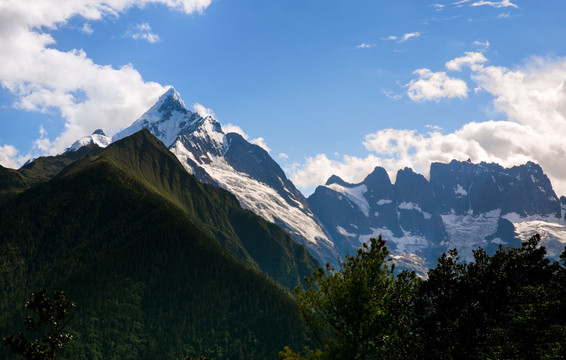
(329, 87)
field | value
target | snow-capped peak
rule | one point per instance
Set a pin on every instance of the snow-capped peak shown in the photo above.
(168, 119)
(98, 137)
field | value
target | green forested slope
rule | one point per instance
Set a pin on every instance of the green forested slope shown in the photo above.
(13, 182)
(140, 253)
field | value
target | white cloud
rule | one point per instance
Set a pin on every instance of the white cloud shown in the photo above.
(483, 44)
(392, 95)
(470, 59)
(435, 86)
(231, 128)
(410, 36)
(261, 143)
(142, 32)
(87, 28)
(9, 156)
(365, 46)
(438, 7)
(203, 111)
(532, 97)
(88, 95)
(316, 170)
(283, 156)
(405, 37)
(496, 4)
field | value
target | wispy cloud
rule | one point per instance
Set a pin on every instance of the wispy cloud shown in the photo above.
(365, 46)
(87, 28)
(495, 4)
(392, 95)
(142, 32)
(438, 7)
(404, 37)
(482, 44)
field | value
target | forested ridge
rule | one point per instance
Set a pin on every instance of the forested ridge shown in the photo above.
(152, 279)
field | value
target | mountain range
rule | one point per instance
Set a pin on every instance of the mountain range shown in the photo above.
(176, 238)
(462, 204)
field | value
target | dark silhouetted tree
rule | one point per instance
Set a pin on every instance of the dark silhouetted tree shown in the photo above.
(44, 327)
(361, 311)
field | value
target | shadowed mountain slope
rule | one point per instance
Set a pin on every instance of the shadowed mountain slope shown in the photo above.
(146, 252)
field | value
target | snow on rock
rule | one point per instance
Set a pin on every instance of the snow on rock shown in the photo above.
(551, 229)
(468, 232)
(406, 243)
(260, 198)
(354, 194)
(344, 232)
(413, 206)
(384, 202)
(165, 119)
(200, 144)
(98, 137)
(459, 191)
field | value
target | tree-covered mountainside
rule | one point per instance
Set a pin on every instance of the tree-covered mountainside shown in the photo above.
(13, 182)
(147, 253)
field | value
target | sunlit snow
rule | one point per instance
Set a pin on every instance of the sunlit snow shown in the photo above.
(354, 194)
(413, 206)
(468, 232)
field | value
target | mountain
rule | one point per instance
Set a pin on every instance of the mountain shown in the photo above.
(98, 137)
(13, 182)
(229, 161)
(161, 265)
(463, 206)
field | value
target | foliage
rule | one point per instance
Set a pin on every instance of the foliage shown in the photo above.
(153, 283)
(506, 306)
(360, 311)
(48, 323)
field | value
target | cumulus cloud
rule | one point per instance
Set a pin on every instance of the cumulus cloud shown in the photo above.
(365, 46)
(231, 128)
(88, 95)
(316, 170)
(9, 156)
(435, 86)
(533, 99)
(470, 59)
